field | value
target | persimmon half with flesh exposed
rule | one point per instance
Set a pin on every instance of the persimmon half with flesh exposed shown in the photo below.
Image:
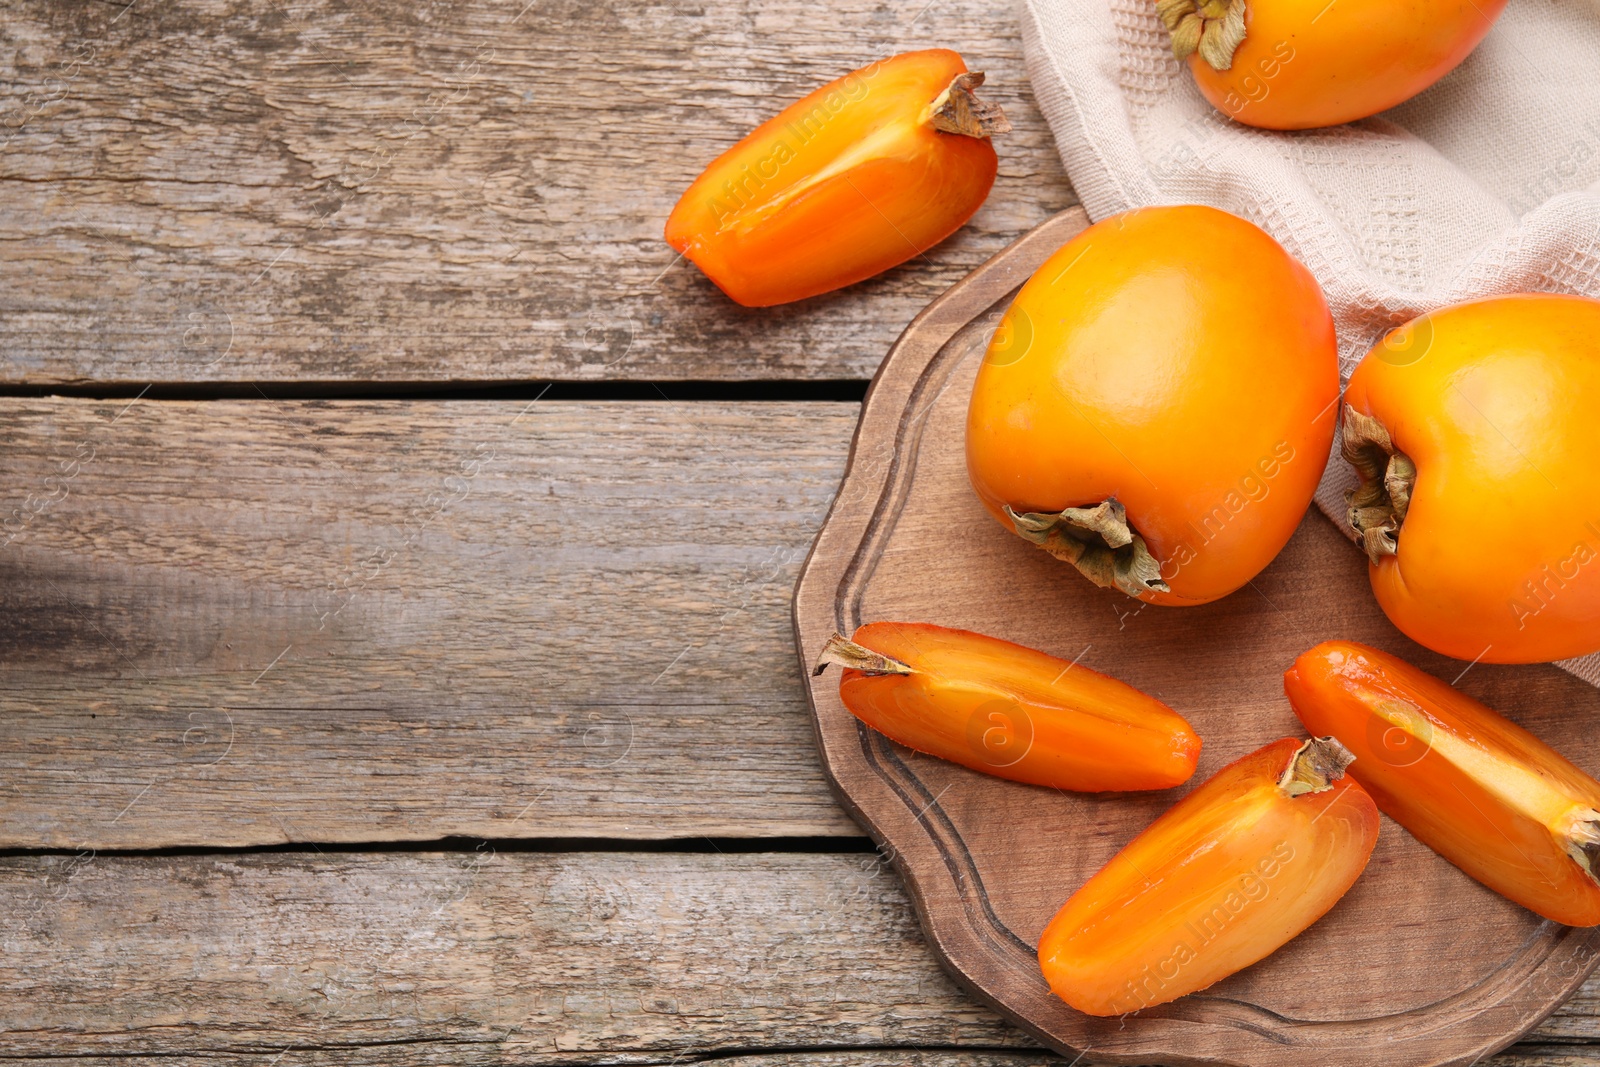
(1158, 404)
(1475, 435)
(1009, 711)
(1478, 789)
(1298, 64)
(1257, 853)
(863, 174)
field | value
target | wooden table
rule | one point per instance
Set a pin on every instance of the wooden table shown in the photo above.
(398, 543)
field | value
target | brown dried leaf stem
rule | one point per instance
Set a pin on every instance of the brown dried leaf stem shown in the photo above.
(843, 652)
(1316, 765)
(1098, 541)
(1378, 506)
(958, 110)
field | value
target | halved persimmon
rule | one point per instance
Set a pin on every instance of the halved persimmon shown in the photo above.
(866, 172)
(1257, 853)
(1478, 789)
(1009, 711)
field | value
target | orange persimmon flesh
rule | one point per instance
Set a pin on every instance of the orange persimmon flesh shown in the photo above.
(1013, 712)
(1484, 793)
(857, 177)
(1260, 851)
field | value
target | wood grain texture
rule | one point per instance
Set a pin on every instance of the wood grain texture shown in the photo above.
(371, 190)
(515, 957)
(484, 958)
(986, 858)
(231, 623)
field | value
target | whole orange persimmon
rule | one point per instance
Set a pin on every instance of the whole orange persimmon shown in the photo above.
(1475, 431)
(1158, 404)
(1297, 64)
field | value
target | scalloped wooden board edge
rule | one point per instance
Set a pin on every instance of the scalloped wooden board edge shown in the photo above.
(979, 856)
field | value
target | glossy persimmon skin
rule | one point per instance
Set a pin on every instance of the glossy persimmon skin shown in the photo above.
(1430, 755)
(1178, 359)
(1224, 878)
(1495, 402)
(1017, 713)
(1309, 63)
(839, 186)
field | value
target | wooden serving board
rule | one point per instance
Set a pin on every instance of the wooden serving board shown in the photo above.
(1418, 964)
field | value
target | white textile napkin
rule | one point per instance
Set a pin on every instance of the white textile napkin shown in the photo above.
(1489, 182)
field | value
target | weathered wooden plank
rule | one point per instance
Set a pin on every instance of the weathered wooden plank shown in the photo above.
(485, 958)
(233, 622)
(429, 1054)
(524, 957)
(1543, 1054)
(895, 1057)
(372, 190)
